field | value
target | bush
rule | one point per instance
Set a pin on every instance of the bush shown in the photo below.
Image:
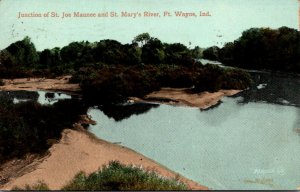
(214, 78)
(116, 176)
(40, 186)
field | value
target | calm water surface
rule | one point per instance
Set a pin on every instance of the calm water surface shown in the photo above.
(250, 141)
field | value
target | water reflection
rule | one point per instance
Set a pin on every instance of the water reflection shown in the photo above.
(247, 141)
(124, 111)
(17, 96)
(42, 97)
(233, 146)
(274, 88)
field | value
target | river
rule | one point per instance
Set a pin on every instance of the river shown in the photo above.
(249, 141)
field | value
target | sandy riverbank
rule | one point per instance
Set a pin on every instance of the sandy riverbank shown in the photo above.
(34, 84)
(184, 96)
(81, 151)
(177, 96)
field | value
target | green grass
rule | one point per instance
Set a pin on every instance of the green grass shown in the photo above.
(117, 176)
(40, 186)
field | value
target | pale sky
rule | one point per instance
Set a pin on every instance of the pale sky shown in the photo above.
(229, 19)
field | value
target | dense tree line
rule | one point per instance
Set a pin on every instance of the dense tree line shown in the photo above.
(22, 59)
(261, 48)
(120, 70)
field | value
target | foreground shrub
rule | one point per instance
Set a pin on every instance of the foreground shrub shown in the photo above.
(40, 186)
(116, 176)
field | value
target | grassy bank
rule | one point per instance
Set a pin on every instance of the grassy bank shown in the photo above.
(116, 176)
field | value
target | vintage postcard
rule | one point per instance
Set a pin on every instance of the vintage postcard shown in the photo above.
(149, 95)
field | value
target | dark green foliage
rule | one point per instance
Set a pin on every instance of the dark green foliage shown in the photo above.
(153, 52)
(50, 58)
(142, 38)
(40, 186)
(264, 48)
(109, 52)
(74, 52)
(26, 127)
(131, 54)
(117, 83)
(23, 53)
(178, 53)
(213, 78)
(197, 53)
(6, 59)
(20, 59)
(211, 53)
(116, 176)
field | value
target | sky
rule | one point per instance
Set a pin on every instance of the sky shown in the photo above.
(229, 18)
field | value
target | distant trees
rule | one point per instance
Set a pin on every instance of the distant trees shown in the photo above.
(197, 52)
(142, 39)
(50, 58)
(6, 59)
(144, 49)
(22, 53)
(109, 52)
(264, 48)
(153, 52)
(211, 53)
(177, 53)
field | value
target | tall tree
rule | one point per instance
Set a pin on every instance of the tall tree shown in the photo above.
(24, 52)
(142, 39)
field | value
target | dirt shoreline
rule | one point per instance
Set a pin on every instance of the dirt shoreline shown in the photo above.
(173, 96)
(184, 96)
(36, 84)
(81, 151)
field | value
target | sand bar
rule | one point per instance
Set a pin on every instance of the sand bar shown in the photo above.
(81, 151)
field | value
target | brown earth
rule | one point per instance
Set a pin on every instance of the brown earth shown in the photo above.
(81, 151)
(184, 96)
(35, 84)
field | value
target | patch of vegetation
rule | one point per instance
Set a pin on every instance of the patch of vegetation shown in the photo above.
(40, 186)
(30, 127)
(116, 84)
(213, 78)
(116, 177)
(262, 48)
